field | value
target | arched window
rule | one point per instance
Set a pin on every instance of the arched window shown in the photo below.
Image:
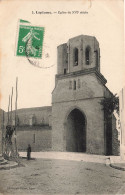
(87, 55)
(76, 57)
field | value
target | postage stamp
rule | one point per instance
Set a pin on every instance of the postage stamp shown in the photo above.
(30, 41)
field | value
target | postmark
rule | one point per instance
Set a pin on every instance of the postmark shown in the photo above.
(30, 41)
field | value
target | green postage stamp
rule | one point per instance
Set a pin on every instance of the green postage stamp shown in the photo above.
(30, 41)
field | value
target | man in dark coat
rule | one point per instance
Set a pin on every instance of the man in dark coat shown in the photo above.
(28, 152)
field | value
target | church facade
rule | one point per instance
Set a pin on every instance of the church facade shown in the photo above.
(78, 120)
(75, 122)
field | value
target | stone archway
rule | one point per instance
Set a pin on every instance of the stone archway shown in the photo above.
(76, 131)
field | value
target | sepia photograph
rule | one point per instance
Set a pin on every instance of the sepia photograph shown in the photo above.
(62, 91)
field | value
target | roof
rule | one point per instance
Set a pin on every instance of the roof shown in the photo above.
(21, 110)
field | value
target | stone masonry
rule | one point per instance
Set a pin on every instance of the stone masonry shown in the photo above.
(79, 86)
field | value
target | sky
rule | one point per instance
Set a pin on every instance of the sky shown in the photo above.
(35, 85)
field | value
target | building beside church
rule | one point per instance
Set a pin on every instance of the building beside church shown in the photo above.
(33, 127)
(75, 122)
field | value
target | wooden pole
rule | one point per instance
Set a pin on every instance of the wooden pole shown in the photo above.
(16, 113)
(9, 111)
(2, 134)
(11, 106)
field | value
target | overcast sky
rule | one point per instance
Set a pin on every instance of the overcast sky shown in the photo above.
(104, 21)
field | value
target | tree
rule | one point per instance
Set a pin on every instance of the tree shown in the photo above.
(110, 105)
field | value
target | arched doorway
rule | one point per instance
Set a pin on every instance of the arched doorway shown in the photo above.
(76, 132)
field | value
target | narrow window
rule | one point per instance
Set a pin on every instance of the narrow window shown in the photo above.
(74, 85)
(42, 121)
(76, 57)
(96, 58)
(64, 70)
(66, 58)
(87, 56)
(79, 83)
(33, 120)
(33, 138)
(70, 84)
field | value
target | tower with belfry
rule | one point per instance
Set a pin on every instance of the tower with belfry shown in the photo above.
(78, 121)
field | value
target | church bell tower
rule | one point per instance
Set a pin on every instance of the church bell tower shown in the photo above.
(77, 115)
(80, 53)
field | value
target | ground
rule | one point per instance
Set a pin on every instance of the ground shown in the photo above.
(57, 176)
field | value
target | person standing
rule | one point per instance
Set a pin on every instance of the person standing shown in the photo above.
(29, 152)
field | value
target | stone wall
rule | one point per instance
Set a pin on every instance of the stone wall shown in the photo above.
(87, 86)
(86, 98)
(94, 126)
(115, 141)
(33, 127)
(38, 137)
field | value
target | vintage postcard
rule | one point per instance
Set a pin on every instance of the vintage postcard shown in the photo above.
(62, 90)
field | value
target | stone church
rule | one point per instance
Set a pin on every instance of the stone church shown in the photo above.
(77, 116)
(76, 121)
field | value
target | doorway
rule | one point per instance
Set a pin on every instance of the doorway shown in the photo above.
(76, 132)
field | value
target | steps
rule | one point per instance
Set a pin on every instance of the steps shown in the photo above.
(5, 164)
(2, 161)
